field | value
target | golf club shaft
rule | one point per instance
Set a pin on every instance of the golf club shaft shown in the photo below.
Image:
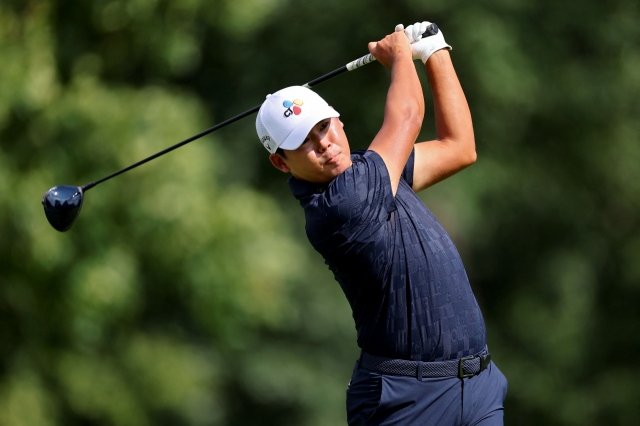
(368, 58)
(362, 61)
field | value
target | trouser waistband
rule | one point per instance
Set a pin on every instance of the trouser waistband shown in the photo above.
(461, 368)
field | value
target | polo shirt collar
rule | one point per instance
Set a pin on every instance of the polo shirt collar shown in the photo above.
(301, 188)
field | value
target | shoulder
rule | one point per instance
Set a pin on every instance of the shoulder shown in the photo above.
(372, 161)
(367, 173)
(367, 167)
(364, 184)
(362, 192)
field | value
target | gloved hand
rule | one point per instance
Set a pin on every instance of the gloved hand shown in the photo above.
(423, 48)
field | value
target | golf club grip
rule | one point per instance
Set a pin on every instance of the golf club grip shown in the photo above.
(368, 58)
(432, 29)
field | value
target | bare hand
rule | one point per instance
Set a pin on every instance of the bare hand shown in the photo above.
(393, 46)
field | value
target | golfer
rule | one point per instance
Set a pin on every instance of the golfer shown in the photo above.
(424, 357)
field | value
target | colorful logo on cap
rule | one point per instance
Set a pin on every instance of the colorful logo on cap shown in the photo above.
(292, 107)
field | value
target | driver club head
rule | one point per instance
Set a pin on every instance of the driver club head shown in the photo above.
(62, 205)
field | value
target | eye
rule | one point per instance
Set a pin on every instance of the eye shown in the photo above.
(324, 125)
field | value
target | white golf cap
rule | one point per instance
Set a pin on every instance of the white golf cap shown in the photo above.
(286, 117)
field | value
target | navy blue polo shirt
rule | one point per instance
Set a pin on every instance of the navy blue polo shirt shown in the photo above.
(397, 266)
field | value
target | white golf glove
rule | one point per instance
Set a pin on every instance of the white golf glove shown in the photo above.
(423, 48)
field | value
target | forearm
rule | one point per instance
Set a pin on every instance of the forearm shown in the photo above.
(404, 107)
(452, 115)
(454, 147)
(403, 116)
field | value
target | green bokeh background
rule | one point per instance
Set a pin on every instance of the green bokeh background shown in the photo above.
(186, 292)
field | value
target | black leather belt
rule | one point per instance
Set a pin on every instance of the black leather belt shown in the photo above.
(462, 367)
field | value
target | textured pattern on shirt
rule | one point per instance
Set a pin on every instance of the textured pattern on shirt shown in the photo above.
(397, 266)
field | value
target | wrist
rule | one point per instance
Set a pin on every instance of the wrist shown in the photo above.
(404, 55)
(438, 54)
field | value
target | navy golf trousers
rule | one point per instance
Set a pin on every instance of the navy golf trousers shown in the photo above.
(386, 400)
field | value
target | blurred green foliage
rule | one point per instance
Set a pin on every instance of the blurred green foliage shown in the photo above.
(186, 293)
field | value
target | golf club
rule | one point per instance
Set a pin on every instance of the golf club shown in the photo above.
(62, 203)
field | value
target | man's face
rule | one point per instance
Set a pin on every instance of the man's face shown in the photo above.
(323, 155)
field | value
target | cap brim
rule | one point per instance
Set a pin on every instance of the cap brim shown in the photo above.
(299, 134)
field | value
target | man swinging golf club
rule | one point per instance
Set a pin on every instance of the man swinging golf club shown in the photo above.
(424, 358)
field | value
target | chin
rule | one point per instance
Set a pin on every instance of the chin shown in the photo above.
(343, 165)
(334, 173)
(339, 170)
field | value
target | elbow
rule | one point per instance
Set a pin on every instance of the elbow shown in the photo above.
(412, 115)
(415, 123)
(408, 124)
(471, 157)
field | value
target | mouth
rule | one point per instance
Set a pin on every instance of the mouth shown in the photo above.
(333, 160)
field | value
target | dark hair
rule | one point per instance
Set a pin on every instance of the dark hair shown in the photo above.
(281, 152)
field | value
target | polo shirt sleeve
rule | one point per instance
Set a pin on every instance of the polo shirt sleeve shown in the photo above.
(355, 205)
(359, 197)
(356, 202)
(407, 173)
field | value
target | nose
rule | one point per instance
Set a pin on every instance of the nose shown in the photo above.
(322, 144)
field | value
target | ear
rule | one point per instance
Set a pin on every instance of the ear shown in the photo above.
(279, 163)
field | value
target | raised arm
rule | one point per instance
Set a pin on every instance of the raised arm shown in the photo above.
(404, 108)
(454, 146)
